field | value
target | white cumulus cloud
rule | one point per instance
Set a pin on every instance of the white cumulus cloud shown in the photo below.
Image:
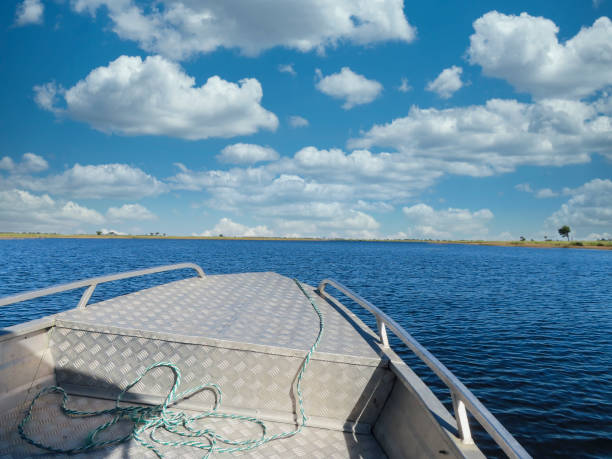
(179, 28)
(481, 140)
(287, 68)
(526, 187)
(447, 83)
(297, 121)
(344, 223)
(118, 181)
(354, 89)
(21, 210)
(312, 175)
(404, 86)
(155, 96)
(540, 194)
(29, 12)
(316, 192)
(525, 51)
(7, 164)
(359, 162)
(589, 210)
(599, 236)
(113, 232)
(546, 193)
(375, 206)
(49, 96)
(33, 163)
(30, 163)
(317, 218)
(427, 223)
(229, 228)
(130, 212)
(247, 153)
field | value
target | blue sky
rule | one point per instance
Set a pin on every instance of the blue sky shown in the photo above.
(434, 120)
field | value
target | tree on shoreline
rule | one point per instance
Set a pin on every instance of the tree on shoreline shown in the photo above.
(564, 231)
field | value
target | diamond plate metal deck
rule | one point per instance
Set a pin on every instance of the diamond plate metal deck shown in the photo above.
(249, 333)
(51, 426)
(253, 309)
(255, 381)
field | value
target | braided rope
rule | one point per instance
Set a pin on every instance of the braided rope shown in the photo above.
(160, 417)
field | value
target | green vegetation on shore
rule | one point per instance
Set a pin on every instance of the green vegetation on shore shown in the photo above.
(523, 243)
(538, 244)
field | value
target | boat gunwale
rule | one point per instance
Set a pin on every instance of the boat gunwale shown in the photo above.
(463, 399)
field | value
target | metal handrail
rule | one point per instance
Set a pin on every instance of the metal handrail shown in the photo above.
(93, 282)
(462, 397)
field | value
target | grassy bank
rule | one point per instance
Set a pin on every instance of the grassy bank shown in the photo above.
(605, 245)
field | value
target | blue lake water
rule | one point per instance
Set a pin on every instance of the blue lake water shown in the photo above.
(529, 331)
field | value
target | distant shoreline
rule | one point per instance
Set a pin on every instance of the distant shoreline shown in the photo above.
(601, 245)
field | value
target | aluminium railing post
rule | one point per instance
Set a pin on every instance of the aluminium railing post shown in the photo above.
(463, 423)
(382, 332)
(380, 322)
(86, 296)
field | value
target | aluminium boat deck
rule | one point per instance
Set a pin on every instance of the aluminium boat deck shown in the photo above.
(249, 333)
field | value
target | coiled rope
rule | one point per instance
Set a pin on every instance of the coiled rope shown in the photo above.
(153, 418)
